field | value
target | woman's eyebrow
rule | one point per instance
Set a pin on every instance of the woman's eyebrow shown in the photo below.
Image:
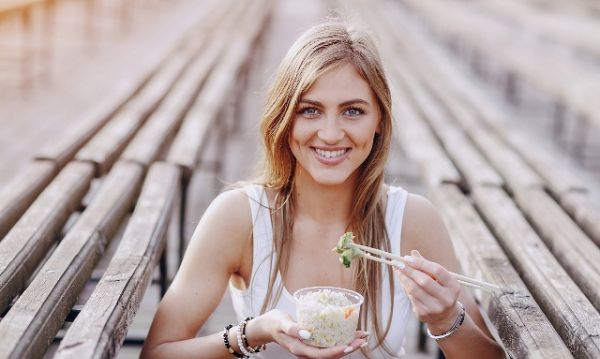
(343, 104)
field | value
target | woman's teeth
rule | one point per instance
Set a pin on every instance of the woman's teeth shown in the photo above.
(330, 154)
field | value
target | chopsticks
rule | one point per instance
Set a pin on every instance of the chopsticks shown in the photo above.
(384, 257)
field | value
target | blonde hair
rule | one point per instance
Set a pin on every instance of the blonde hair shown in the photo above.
(315, 52)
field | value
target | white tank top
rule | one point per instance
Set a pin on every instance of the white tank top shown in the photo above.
(249, 302)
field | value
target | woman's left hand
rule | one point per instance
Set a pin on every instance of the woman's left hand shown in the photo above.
(432, 290)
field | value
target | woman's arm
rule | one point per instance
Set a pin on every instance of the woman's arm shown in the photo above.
(433, 291)
(218, 248)
(213, 255)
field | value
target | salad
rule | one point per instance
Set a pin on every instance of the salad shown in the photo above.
(330, 314)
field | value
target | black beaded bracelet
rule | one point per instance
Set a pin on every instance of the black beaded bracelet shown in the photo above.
(227, 345)
(251, 350)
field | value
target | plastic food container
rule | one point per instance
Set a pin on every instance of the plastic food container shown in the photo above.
(330, 314)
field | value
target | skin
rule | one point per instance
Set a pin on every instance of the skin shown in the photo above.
(339, 112)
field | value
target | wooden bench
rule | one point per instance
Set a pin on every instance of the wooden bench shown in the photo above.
(570, 86)
(507, 228)
(40, 278)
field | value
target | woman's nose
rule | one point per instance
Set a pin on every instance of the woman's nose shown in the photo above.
(331, 131)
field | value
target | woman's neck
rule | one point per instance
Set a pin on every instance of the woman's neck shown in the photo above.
(323, 203)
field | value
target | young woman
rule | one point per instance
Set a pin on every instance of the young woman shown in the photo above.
(326, 129)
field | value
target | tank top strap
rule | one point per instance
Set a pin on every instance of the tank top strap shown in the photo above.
(262, 230)
(394, 213)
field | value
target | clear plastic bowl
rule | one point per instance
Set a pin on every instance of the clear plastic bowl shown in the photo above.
(330, 314)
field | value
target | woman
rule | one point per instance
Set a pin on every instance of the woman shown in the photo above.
(327, 128)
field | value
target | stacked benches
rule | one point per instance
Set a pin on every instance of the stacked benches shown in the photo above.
(514, 47)
(508, 204)
(111, 187)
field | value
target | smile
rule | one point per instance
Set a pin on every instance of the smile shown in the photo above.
(331, 154)
(331, 157)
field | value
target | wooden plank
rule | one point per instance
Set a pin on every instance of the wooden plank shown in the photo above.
(101, 326)
(30, 325)
(26, 243)
(106, 146)
(571, 313)
(553, 168)
(586, 212)
(419, 143)
(574, 250)
(451, 19)
(66, 146)
(160, 129)
(18, 194)
(191, 137)
(523, 328)
(467, 159)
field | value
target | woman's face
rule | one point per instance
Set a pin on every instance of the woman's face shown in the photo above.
(334, 126)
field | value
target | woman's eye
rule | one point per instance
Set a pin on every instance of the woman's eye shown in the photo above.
(309, 111)
(353, 111)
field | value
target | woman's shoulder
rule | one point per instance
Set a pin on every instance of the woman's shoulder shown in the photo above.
(232, 207)
(423, 227)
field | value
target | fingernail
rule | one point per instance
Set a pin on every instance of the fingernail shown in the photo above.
(399, 264)
(409, 259)
(304, 334)
(348, 350)
(364, 344)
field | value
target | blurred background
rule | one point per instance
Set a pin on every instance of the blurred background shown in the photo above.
(67, 67)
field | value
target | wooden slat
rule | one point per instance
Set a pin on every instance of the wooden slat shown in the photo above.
(467, 159)
(27, 242)
(586, 212)
(573, 249)
(524, 329)
(560, 177)
(30, 325)
(420, 144)
(64, 148)
(163, 123)
(101, 326)
(571, 313)
(18, 194)
(105, 147)
(191, 137)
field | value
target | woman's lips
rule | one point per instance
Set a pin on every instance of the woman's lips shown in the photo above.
(331, 157)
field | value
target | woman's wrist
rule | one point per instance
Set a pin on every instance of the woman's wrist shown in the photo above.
(441, 326)
(448, 327)
(257, 332)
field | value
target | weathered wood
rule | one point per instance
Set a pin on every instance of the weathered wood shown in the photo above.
(105, 147)
(26, 243)
(586, 212)
(524, 329)
(419, 143)
(529, 63)
(573, 249)
(101, 326)
(18, 194)
(160, 129)
(471, 164)
(191, 137)
(30, 325)
(571, 313)
(559, 176)
(63, 149)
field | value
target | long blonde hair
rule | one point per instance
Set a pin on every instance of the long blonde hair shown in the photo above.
(315, 52)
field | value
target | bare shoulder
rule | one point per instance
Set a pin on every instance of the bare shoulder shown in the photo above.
(424, 229)
(224, 229)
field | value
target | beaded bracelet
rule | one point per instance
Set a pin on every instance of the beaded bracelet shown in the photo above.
(243, 340)
(457, 323)
(226, 342)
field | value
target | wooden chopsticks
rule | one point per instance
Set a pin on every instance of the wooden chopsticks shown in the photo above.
(392, 259)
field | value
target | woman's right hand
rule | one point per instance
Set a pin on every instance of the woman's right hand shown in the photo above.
(277, 326)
